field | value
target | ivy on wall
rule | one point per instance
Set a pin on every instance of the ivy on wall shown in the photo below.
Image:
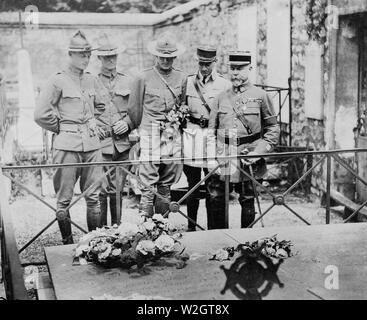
(316, 20)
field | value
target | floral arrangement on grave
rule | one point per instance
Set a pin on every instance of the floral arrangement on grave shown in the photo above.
(269, 247)
(130, 244)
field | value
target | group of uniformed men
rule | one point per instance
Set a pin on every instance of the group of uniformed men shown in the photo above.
(92, 116)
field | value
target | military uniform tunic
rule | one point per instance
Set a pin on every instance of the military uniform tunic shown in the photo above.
(195, 137)
(150, 101)
(67, 107)
(261, 132)
(116, 91)
(116, 87)
(257, 108)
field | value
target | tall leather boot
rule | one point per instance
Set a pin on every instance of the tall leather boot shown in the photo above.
(216, 204)
(103, 205)
(93, 218)
(192, 210)
(162, 205)
(146, 203)
(64, 226)
(247, 212)
(115, 216)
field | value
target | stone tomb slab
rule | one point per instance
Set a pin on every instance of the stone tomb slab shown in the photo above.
(320, 252)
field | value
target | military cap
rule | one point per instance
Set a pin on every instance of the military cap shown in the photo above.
(107, 48)
(79, 43)
(206, 53)
(165, 46)
(239, 58)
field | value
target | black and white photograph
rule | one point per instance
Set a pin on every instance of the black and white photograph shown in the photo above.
(195, 152)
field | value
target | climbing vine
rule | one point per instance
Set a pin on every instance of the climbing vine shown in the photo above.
(316, 20)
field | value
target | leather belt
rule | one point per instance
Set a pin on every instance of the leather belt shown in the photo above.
(74, 127)
(202, 122)
(241, 140)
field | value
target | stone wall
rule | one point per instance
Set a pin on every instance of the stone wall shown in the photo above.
(216, 23)
(47, 47)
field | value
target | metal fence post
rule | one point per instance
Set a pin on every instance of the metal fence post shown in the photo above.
(328, 182)
(227, 181)
(119, 189)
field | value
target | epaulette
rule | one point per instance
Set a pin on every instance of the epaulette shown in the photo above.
(147, 69)
(121, 74)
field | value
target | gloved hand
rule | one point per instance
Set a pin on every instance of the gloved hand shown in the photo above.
(120, 127)
(101, 133)
(212, 164)
(250, 161)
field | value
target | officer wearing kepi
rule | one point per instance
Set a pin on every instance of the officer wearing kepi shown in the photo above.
(154, 93)
(114, 124)
(67, 107)
(202, 88)
(242, 121)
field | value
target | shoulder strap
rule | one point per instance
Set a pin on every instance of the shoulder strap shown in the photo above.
(201, 95)
(243, 119)
(167, 85)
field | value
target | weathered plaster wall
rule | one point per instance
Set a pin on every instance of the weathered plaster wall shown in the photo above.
(47, 48)
(217, 23)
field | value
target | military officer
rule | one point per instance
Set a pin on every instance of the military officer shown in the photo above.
(153, 95)
(114, 124)
(242, 121)
(67, 107)
(202, 88)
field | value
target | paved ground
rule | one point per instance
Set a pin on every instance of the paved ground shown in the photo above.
(30, 216)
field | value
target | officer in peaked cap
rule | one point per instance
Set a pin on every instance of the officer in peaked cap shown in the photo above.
(114, 124)
(202, 88)
(154, 94)
(68, 105)
(242, 121)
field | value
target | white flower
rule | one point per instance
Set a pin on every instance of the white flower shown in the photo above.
(165, 243)
(281, 253)
(159, 218)
(270, 251)
(128, 229)
(106, 252)
(149, 224)
(221, 255)
(145, 246)
(79, 250)
(169, 226)
(116, 252)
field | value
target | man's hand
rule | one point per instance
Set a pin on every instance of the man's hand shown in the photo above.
(250, 161)
(101, 133)
(120, 127)
(212, 164)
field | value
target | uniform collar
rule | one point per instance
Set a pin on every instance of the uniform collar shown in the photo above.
(163, 72)
(212, 76)
(75, 71)
(108, 73)
(242, 88)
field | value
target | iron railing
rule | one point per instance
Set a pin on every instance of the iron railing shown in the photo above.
(284, 95)
(10, 253)
(11, 269)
